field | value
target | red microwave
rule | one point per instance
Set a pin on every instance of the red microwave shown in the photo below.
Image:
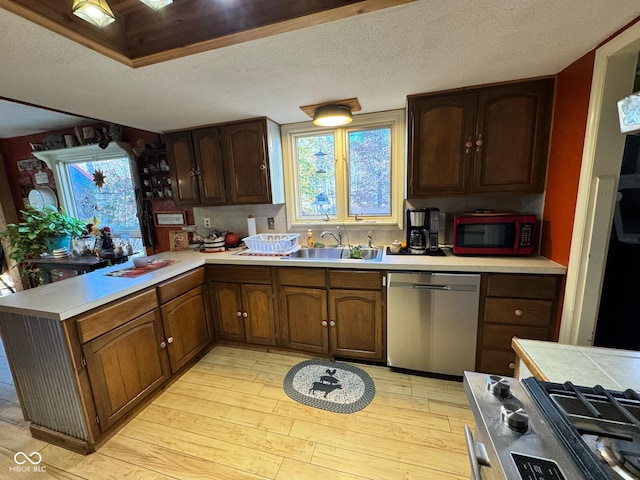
(494, 234)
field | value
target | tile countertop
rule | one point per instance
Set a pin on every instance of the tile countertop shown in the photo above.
(586, 366)
(73, 296)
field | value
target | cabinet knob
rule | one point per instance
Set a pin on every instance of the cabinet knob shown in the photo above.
(512, 365)
(163, 344)
(324, 323)
(263, 167)
(244, 314)
(170, 340)
(518, 312)
(479, 142)
(468, 145)
(332, 323)
(238, 314)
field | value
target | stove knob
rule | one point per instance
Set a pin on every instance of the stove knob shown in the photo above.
(515, 417)
(498, 386)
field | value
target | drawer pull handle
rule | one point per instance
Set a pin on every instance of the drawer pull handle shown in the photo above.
(518, 312)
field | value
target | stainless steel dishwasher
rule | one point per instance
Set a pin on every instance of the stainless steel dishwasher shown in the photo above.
(432, 321)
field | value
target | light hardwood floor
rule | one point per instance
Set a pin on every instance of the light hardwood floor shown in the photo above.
(228, 418)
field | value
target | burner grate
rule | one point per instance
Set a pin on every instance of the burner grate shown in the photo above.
(565, 431)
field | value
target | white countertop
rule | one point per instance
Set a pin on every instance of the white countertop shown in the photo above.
(73, 296)
(586, 366)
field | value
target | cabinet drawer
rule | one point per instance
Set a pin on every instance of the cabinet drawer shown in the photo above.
(522, 286)
(179, 285)
(518, 311)
(306, 277)
(497, 362)
(499, 336)
(238, 274)
(115, 314)
(369, 280)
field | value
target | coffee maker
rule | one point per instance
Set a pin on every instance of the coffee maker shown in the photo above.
(422, 230)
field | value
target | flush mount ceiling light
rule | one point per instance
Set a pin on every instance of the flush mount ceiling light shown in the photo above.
(96, 12)
(156, 4)
(333, 114)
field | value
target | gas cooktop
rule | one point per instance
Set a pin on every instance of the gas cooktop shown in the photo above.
(543, 430)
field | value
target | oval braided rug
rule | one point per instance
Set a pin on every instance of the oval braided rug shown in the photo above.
(333, 386)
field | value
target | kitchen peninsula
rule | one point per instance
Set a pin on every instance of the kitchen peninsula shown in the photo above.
(89, 352)
(611, 368)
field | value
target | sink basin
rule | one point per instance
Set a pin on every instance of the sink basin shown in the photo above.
(373, 254)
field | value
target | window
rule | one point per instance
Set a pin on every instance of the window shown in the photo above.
(113, 204)
(348, 174)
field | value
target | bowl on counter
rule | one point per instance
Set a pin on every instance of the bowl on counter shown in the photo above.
(140, 262)
(395, 247)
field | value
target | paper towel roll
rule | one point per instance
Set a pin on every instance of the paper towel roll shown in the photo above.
(251, 225)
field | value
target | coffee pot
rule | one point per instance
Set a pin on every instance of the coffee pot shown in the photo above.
(422, 230)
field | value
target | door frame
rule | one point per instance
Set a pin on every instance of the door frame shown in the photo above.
(613, 76)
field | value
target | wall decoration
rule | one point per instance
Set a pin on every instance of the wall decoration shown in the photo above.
(178, 240)
(98, 178)
(168, 219)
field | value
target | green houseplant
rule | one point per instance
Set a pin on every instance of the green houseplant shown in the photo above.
(37, 233)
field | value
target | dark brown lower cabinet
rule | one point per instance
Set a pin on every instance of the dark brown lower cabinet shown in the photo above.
(186, 326)
(513, 305)
(332, 312)
(243, 308)
(126, 365)
(303, 319)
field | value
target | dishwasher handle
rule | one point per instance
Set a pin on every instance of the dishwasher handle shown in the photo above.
(422, 286)
(435, 286)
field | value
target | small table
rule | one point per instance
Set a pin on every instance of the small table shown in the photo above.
(81, 264)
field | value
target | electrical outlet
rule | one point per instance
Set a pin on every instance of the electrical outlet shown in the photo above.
(207, 222)
(271, 224)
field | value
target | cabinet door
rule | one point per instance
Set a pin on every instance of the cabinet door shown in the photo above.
(208, 160)
(303, 317)
(181, 162)
(259, 320)
(125, 366)
(355, 323)
(245, 156)
(513, 123)
(441, 136)
(186, 327)
(227, 311)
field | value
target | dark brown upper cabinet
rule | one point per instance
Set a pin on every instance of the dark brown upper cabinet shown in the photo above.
(230, 164)
(492, 139)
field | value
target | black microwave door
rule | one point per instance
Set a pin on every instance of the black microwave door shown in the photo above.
(486, 235)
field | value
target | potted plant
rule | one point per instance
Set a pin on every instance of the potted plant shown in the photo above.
(40, 231)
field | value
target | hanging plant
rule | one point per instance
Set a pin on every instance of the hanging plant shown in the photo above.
(98, 178)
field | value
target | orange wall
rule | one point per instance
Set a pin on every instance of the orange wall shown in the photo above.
(573, 88)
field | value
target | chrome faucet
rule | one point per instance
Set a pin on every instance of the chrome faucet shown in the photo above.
(338, 239)
(369, 239)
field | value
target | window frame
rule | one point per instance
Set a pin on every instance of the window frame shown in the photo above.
(58, 161)
(396, 119)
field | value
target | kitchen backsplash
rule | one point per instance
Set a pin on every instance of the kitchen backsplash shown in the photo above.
(234, 218)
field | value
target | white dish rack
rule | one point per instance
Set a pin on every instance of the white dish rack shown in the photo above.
(272, 242)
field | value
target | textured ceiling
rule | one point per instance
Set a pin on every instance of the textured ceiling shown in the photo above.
(379, 57)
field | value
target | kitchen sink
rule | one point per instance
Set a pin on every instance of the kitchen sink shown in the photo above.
(371, 254)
